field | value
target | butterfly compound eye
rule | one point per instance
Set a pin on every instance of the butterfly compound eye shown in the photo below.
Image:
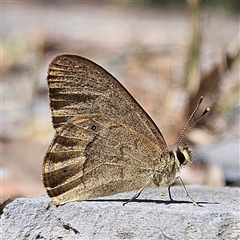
(180, 156)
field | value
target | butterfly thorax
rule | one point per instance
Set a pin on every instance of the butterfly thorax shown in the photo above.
(177, 158)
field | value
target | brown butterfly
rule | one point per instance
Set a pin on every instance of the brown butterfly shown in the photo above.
(105, 143)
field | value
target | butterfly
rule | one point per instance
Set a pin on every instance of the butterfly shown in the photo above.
(105, 143)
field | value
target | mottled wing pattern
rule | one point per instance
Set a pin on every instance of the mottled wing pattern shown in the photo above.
(105, 142)
(78, 86)
(96, 156)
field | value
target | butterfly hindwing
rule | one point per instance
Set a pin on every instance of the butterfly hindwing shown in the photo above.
(95, 156)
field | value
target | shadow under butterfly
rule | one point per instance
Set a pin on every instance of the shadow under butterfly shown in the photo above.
(105, 143)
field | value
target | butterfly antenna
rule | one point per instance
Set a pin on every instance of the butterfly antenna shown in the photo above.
(186, 128)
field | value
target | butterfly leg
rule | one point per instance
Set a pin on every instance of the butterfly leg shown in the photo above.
(139, 192)
(169, 193)
(186, 191)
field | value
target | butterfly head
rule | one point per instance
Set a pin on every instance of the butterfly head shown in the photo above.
(184, 155)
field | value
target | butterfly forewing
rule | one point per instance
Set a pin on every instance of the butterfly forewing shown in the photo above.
(78, 86)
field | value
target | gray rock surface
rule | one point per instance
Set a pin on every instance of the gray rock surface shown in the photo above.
(153, 216)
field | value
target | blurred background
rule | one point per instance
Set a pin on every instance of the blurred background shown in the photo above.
(166, 53)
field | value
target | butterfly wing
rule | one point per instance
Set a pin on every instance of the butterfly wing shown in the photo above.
(78, 86)
(81, 92)
(96, 156)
